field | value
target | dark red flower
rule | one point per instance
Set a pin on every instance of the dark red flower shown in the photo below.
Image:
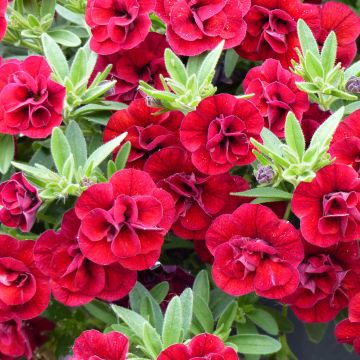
(76, 280)
(348, 331)
(24, 290)
(118, 24)
(198, 198)
(203, 346)
(218, 133)
(147, 133)
(328, 279)
(19, 202)
(329, 206)
(3, 22)
(37, 331)
(276, 94)
(339, 18)
(194, 26)
(124, 220)
(92, 344)
(30, 102)
(14, 342)
(255, 251)
(346, 142)
(311, 120)
(271, 29)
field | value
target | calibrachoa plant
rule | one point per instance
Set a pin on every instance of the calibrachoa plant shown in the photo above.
(179, 180)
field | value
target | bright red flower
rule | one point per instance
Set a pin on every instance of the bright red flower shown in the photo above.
(346, 142)
(24, 290)
(198, 198)
(92, 344)
(76, 280)
(328, 279)
(14, 342)
(124, 220)
(30, 102)
(118, 24)
(218, 133)
(147, 133)
(203, 346)
(255, 251)
(3, 22)
(144, 62)
(19, 202)
(194, 26)
(276, 94)
(348, 331)
(329, 206)
(339, 18)
(271, 29)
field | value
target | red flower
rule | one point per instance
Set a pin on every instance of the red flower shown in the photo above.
(348, 331)
(271, 29)
(24, 290)
(76, 280)
(255, 251)
(218, 133)
(19, 202)
(203, 252)
(328, 279)
(14, 342)
(144, 62)
(276, 94)
(346, 142)
(3, 23)
(194, 26)
(92, 344)
(198, 198)
(30, 102)
(124, 220)
(147, 133)
(345, 23)
(203, 346)
(329, 206)
(118, 24)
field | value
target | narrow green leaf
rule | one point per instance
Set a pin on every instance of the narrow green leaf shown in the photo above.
(175, 67)
(271, 141)
(152, 341)
(316, 331)
(122, 156)
(231, 59)
(69, 15)
(111, 169)
(78, 68)
(313, 65)
(135, 321)
(60, 148)
(201, 287)
(65, 37)
(265, 192)
(69, 168)
(294, 135)
(77, 142)
(171, 333)
(328, 52)
(194, 63)
(187, 299)
(264, 320)
(255, 344)
(203, 314)
(7, 152)
(228, 316)
(160, 291)
(307, 39)
(47, 8)
(101, 311)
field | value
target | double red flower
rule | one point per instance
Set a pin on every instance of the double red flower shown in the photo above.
(3, 22)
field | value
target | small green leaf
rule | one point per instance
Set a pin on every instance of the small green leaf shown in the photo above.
(152, 341)
(201, 287)
(172, 330)
(122, 156)
(203, 314)
(294, 135)
(78, 68)
(69, 168)
(328, 53)
(316, 331)
(271, 141)
(264, 320)
(231, 59)
(47, 8)
(101, 311)
(307, 39)
(187, 299)
(194, 63)
(175, 67)
(255, 344)
(60, 148)
(307, 87)
(228, 316)
(135, 321)
(69, 15)
(77, 143)
(65, 37)
(160, 291)
(265, 192)
(313, 65)
(7, 151)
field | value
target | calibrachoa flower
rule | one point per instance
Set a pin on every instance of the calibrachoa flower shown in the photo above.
(24, 290)
(329, 206)
(255, 251)
(271, 29)
(76, 280)
(19, 202)
(276, 94)
(144, 62)
(92, 344)
(348, 331)
(14, 342)
(30, 102)
(124, 220)
(147, 132)
(346, 142)
(3, 23)
(118, 24)
(194, 26)
(203, 346)
(218, 133)
(328, 279)
(311, 120)
(198, 198)
(345, 23)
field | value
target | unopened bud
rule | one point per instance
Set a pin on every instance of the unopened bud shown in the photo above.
(353, 85)
(264, 174)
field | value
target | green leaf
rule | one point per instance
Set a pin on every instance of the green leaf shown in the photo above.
(307, 87)
(69, 15)
(231, 59)
(294, 135)
(316, 331)
(203, 314)
(353, 70)
(122, 156)
(307, 39)
(152, 341)
(246, 328)
(104, 106)
(328, 52)
(271, 141)
(65, 37)
(194, 63)
(313, 65)
(255, 344)
(352, 107)
(7, 151)
(47, 8)
(187, 299)
(264, 320)
(160, 291)
(60, 148)
(175, 67)
(135, 321)
(265, 192)
(77, 143)
(101, 311)
(69, 168)
(78, 70)
(228, 316)
(111, 169)
(93, 94)
(201, 287)
(172, 330)
(55, 57)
